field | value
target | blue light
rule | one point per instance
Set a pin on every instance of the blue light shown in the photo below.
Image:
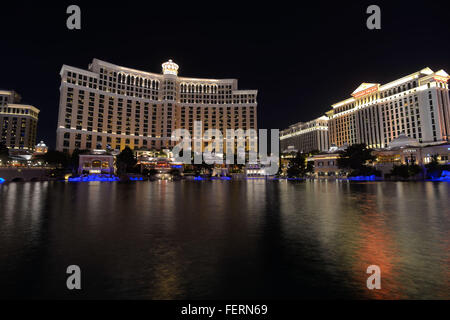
(2, 180)
(94, 177)
(364, 178)
(198, 178)
(445, 176)
(177, 166)
(221, 178)
(136, 178)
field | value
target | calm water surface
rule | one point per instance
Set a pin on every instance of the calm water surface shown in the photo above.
(222, 239)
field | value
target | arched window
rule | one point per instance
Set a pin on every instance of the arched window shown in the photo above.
(96, 164)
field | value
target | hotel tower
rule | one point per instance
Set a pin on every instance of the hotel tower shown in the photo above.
(118, 106)
(416, 105)
(18, 122)
(306, 136)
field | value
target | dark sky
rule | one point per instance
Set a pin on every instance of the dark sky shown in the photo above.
(300, 58)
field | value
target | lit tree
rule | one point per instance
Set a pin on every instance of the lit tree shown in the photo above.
(298, 166)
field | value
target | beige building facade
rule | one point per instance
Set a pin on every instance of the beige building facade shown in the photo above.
(96, 164)
(306, 136)
(118, 106)
(416, 105)
(326, 164)
(18, 122)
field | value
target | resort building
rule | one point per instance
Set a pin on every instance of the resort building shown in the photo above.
(325, 165)
(400, 151)
(162, 161)
(117, 106)
(405, 150)
(18, 122)
(416, 105)
(306, 137)
(97, 162)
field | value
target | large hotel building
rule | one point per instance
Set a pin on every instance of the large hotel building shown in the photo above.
(118, 106)
(416, 105)
(18, 122)
(306, 136)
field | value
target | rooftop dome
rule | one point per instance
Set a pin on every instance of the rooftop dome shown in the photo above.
(41, 144)
(170, 67)
(403, 141)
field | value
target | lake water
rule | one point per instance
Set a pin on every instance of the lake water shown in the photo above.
(225, 239)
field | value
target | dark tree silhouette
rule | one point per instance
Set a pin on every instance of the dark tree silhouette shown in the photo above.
(298, 167)
(355, 159)
(57, 158)
(126, 161)
(75, 159)
(4, 153)
(406, 170)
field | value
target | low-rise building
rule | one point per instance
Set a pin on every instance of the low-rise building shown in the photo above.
(96, 163)
(405, 150)
(400, 151)
(325, 165)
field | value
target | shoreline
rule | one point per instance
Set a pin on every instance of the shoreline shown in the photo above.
(204, 179)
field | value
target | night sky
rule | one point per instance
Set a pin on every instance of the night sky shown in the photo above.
(300, 58)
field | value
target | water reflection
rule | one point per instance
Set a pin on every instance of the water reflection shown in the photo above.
(221, 239)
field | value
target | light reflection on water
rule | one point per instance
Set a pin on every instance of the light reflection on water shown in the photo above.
(221, 239)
